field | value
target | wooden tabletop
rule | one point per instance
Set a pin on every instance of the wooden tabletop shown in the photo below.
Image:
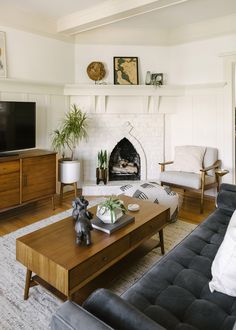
(57, 241)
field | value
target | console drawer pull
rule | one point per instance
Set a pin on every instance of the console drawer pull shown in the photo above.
(105, 258)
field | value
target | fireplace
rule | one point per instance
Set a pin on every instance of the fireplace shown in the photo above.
(124, 162)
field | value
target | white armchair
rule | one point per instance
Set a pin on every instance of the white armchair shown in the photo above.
(193, 169)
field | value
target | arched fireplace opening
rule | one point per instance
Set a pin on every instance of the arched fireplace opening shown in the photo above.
(124, 162)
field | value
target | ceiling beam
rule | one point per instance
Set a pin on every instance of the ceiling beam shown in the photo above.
(108, 12)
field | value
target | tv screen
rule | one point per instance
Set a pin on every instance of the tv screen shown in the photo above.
(17, 125)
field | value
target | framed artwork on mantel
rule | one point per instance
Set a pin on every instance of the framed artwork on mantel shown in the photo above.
(3, 64)
(126, 71)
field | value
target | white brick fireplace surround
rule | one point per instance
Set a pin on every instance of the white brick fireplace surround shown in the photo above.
(134, 112)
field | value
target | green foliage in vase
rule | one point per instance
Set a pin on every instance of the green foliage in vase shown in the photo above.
(72, 129)
(111, 204)
(102, 159)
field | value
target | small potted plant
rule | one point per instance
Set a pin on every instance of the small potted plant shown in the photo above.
(65, 139)
(111, 210)
(101, 171)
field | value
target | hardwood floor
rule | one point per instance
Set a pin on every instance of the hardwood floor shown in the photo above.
(18, 218)
(24, 216)
(190, 209)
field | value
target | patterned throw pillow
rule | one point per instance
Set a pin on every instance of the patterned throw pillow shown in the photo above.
(155, 193)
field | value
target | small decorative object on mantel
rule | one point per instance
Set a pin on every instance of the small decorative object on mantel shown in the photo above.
(82, 217)
(101, 171)
(3, 65)
(157, 79)
(111, 210)
(96, 71)
(148, 78)
(126, 71)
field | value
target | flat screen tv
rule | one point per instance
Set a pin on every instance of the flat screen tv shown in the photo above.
(17, 125)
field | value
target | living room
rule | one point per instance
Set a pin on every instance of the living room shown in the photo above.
(46, 49)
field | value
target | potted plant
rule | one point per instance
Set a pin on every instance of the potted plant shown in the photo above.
(111, 210)
(101, 171)
(65, 139)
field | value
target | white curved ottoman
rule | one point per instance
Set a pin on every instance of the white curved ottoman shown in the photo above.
(155, 193)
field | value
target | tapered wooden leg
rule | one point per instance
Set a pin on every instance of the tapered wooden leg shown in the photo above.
(61, 192)
(75, 188)
(202, 201)
(53, 203)
(161, 237)
(27, 283)
(218, 182)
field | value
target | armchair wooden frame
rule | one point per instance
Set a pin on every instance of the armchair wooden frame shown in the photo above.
(203, 186)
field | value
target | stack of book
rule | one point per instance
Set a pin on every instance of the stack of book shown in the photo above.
(110, 228)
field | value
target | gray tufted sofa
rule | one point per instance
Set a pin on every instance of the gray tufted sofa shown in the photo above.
(174, 294)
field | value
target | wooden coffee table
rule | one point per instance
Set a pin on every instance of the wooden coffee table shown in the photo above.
(51, 252)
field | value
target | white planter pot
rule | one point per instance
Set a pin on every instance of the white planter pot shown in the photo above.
(68, 171)
(105, 215)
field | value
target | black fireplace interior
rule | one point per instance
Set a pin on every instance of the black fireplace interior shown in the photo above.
(124, 163)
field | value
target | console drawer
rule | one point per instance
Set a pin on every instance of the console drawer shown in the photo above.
(148, 229)
(97, 262)
(9, 167)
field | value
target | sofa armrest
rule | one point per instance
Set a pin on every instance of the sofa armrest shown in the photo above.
(226, 198)
(117, 312)
(72, 316)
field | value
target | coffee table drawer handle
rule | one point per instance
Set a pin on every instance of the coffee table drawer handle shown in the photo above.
(105, 258)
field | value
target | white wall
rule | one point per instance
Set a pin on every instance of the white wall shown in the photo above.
(204, 116)
(200, 116)
(191, 63)
(155, 59)
(38, 68)
(199, 62)
(34, 57)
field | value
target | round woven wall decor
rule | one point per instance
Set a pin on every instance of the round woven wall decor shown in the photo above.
(96, 71)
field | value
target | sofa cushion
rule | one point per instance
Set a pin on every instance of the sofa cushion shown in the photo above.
(191, 180)
(188, 158)
(224, 264)
(226, 200)
(155, 193)
(175, 292)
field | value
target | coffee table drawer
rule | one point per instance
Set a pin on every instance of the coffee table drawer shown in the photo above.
(97, 262)
(148, 229)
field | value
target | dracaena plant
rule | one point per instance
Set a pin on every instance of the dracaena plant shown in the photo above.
(72, 129)
(111, 204)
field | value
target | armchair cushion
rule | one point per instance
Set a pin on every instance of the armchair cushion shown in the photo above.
(185, 179)
(188, 158)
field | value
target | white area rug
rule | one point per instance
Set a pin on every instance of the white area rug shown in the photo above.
(35, 313)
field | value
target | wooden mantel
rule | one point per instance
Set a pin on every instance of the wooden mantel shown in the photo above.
(124, 90)
(155, 95)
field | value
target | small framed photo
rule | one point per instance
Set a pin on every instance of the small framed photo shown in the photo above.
(157, 79)
(3, 62)
(126, 71)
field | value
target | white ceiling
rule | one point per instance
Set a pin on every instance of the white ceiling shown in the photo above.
(91, 19)
(50, 8)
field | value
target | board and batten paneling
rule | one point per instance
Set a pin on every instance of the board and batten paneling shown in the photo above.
(200, 119)
(51, 105)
